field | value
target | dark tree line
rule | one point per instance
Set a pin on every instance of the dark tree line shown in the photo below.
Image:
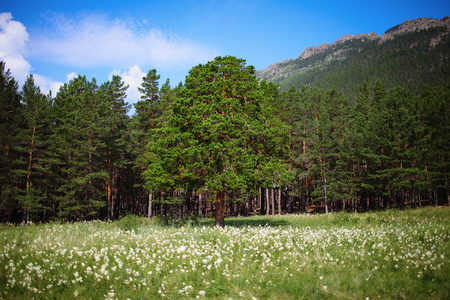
(387, 148)
(78, 155)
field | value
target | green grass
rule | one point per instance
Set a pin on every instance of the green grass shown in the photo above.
(384, 255)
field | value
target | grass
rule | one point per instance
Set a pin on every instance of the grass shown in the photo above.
(384, 255)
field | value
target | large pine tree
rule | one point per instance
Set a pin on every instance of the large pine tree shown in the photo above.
(222, 134)
(79, 135)
(10, 122)
(34, 141)
(115, 139)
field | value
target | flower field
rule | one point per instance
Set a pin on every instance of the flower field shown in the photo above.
(385, 255)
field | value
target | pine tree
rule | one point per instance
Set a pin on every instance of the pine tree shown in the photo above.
(145, 119)
(361, 141)
(329, 122)
(10, 121)
(78, 136)
(115, 138)
(395, 134)
(148, 108)
(434, 146)
(34, 138)
(144, 122)
(221, 134)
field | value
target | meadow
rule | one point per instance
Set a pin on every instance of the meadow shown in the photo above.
(377, 255)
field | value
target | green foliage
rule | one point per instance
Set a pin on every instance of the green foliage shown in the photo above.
(226, 135)
(222, 133)
(10, 121)
(318, 121)
(188, 221)
(132, 223)
(407, 61)
(213, 129)
(79, 137)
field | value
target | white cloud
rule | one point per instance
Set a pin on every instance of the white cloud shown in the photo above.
(71, 76)
(13, 38)
(13, 35)
(93, 40)
(132, 77)
(19, 67)
(47, 84)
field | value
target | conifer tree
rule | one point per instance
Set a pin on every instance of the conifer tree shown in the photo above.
(221, 135)
(10, 122)
(434, 146)
(144, 122)
(148, 108)
(147, 112)
(115, 138)
(78, 136)
(34, 138)
(362, 143)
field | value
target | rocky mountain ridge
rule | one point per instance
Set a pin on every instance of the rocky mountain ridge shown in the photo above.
(321, 48)
(334, 52)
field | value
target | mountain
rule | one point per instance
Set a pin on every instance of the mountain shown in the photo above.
(411, 55)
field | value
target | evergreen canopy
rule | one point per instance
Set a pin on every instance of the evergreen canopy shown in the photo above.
(222, 134)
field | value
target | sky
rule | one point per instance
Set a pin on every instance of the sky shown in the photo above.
(58, 40)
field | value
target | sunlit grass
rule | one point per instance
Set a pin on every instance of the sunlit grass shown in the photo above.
(386, 255)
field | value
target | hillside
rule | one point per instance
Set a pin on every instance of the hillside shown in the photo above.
(411, 55)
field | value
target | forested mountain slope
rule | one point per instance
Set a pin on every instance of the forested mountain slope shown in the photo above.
(410, 55)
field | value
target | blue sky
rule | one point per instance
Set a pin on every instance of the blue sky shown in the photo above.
(56, 40)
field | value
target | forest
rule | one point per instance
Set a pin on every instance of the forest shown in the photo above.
(409, 60)
(79, 155)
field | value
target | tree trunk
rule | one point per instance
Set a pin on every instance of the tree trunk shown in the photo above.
(279, 200)
(229, 209)
(247, 205)
(388, 202)
(289, 203)
(260, 201)
(200, 204)
(219, 218)
(238, 208)
(267, 202)
(149, 215)
(113, 205)
(273, 202)
(308, 196)
(30, 158)
(301, 203)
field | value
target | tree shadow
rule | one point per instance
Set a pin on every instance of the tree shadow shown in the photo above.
(253, 222)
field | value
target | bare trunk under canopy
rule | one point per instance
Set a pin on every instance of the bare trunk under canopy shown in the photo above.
(220, 209)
